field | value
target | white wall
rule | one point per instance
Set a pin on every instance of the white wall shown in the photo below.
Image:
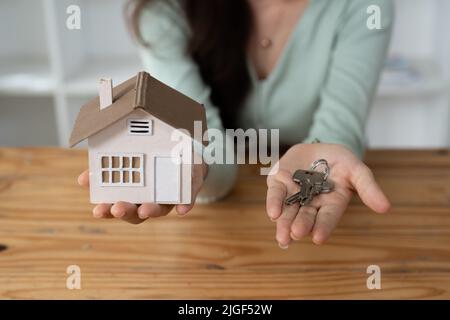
(417, 115)
(27, 120)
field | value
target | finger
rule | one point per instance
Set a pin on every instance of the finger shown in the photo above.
(327, 219)
(304, 222)
(284, 223)
(153, 210)
(276, 193)
(83, 178)
(182, 209)
(102, 211)
(127, 212)
(368, 190)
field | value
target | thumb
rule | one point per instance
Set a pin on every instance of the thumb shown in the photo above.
(368, 189)
(83, 179)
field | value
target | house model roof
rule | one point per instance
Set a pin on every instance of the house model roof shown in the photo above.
(140, 92)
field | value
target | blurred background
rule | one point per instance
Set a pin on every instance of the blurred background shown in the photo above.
(48, 71)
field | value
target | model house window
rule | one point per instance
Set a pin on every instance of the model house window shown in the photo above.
(122, 170)
(140, 127)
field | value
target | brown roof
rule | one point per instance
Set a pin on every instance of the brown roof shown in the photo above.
(144, 92)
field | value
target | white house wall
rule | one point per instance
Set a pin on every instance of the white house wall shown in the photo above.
(115, 139)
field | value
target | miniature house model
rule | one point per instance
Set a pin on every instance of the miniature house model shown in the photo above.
(129, 132)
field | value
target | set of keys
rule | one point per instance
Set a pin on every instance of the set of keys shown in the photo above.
(311, 183)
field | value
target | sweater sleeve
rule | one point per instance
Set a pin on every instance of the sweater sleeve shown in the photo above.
(356, 65)
(165, 31)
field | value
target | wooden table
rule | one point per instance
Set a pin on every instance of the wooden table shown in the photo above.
(224, 250)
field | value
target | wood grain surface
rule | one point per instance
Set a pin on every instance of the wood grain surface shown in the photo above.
(224, 250)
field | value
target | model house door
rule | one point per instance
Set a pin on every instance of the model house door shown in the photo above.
(167, 180)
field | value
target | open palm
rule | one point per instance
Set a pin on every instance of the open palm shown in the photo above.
(321, 216)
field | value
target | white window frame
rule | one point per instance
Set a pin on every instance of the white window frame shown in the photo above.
(148, 122)
(121, 170)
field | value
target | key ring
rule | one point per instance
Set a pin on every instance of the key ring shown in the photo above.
(320, 162)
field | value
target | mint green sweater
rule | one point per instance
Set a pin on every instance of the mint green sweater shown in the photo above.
(322, 85)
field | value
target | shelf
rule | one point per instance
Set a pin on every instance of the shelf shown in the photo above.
(25, 77)
(84, 81)
(425, 80)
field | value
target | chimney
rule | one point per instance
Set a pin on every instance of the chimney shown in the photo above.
(105, 92)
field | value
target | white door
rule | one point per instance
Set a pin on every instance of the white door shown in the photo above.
(167, 180)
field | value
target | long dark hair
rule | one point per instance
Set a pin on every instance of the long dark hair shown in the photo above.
(220, 31)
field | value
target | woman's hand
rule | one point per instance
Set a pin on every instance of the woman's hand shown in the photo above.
(323, 213)
(136, 214)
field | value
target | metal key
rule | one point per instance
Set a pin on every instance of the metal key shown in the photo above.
(303, 196)
(327, 186)
(309, 176)
(311, 184)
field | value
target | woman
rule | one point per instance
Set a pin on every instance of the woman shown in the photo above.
(306, 67)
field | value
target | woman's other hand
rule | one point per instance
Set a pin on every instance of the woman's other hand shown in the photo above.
(321, 216)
